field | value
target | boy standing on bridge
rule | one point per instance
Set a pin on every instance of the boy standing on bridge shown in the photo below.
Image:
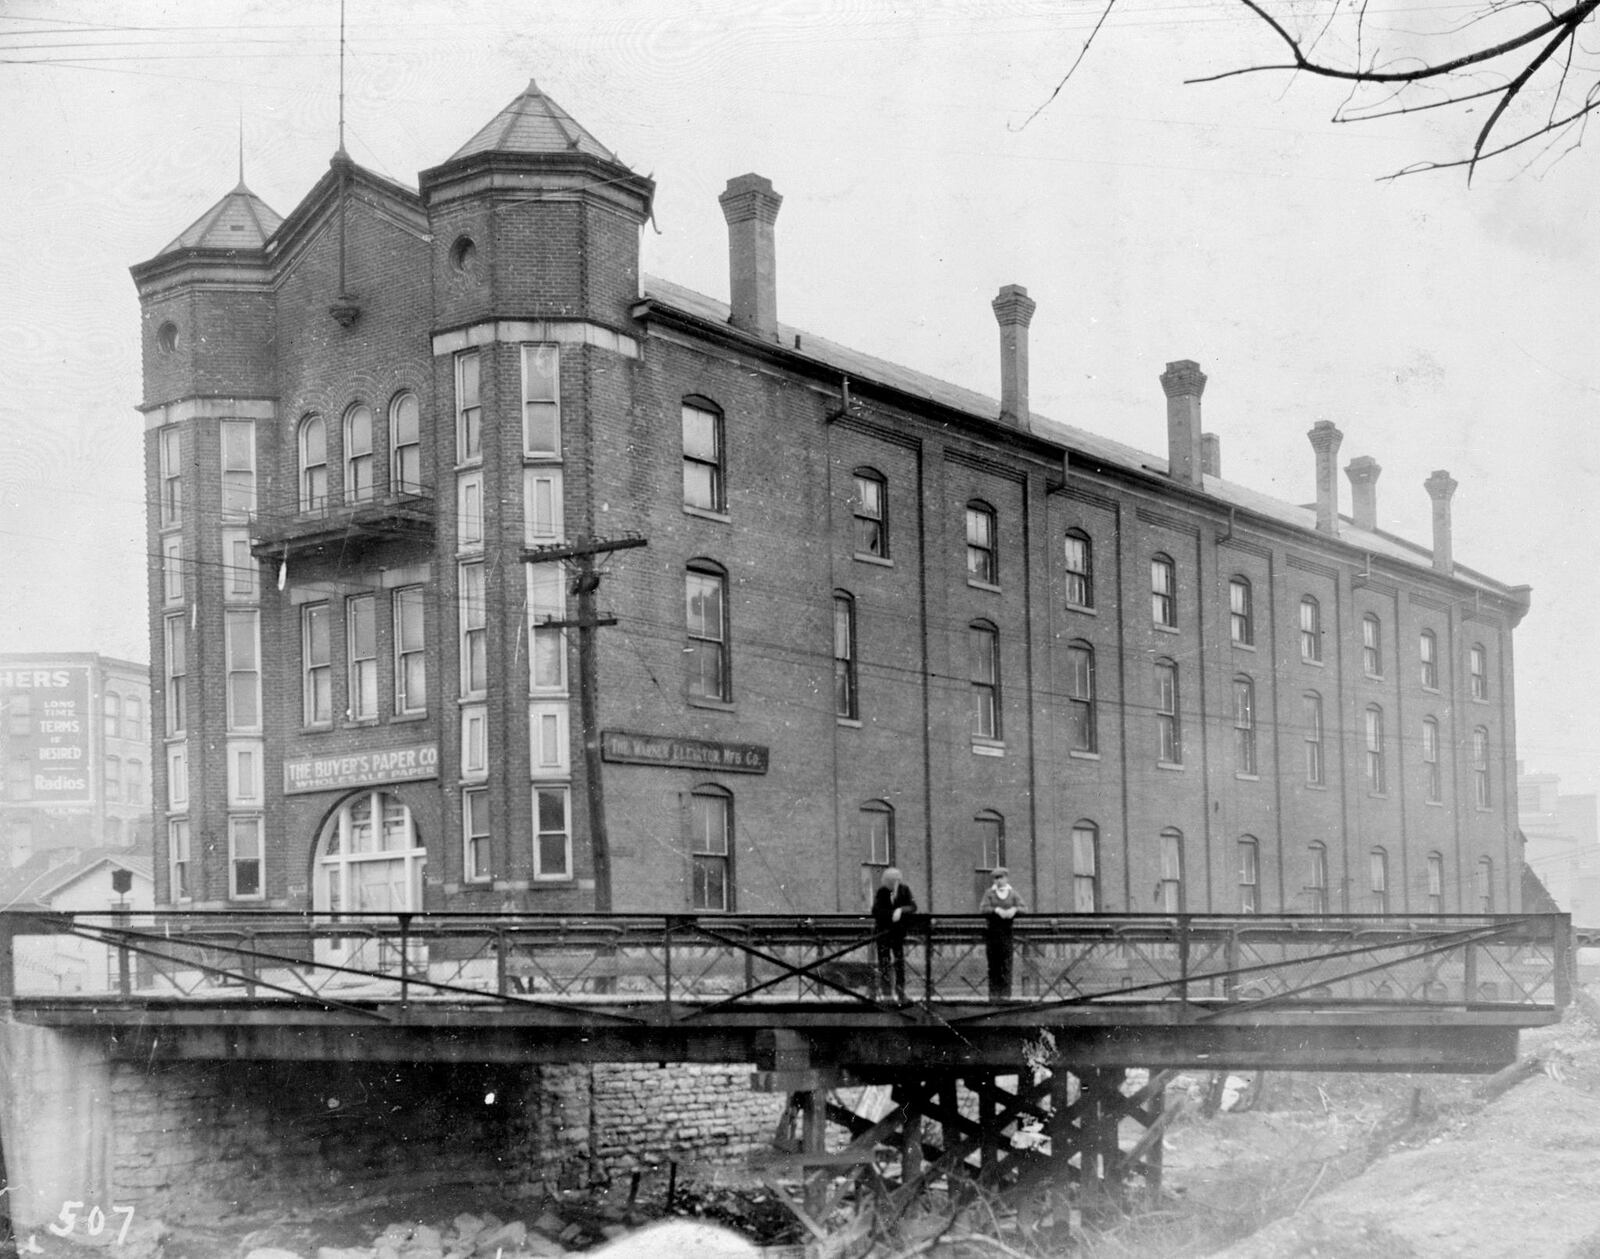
(1000, 904)
(892, 908)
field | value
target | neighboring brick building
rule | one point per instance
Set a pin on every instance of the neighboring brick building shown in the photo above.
(75, 745)
(878, 617)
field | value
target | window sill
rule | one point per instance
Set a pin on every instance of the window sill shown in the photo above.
(1315, 664)
(511, 885)
(1238, 646)
(1076, 755)
(983, 585)
(476, 778)
(1316, 786)
(992, 748)
(470, 551)
(1084, 608)
(1164, 629)
(544, 457)
(882, 560)
(1172, 765)
(705, 513)
(319, 728)
(1377, 795)
(849, 723)
(466, 465)
(402, 718)
(1247, 778)
(1434, 804)
(1372, 677)
(359, 723)
(1431, 690)
(1478, 699)
(550, 881)
(477, 697)
(715, 705)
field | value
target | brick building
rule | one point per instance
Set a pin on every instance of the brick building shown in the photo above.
(875, 617)
(75, 745)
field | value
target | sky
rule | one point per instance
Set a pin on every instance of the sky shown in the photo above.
(924, 163)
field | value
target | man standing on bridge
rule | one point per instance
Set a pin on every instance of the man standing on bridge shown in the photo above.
(892, 908)
(1000, 904)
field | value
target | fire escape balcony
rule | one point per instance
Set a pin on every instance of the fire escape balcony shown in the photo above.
(344, 528)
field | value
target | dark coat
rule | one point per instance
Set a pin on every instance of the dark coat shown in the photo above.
(885, 902)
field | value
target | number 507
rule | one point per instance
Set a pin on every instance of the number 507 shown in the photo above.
(93, 1224)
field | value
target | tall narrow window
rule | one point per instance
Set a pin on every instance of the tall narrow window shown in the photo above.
(475, 867)
(113, 777)
(982, 560)
(172, 583)
(989, 834)
(1480, 766)
(1163, 591)
(552, 844)
(871, 509)
(1079, 557)
(240, 573)
(178, 858)
(313, 463)
(316, 665)
(1311, 722)
(706, 621)
(1478, 671)
(1428, 659)
(1371, 646)
(1317, 879)
(547, 651)
(133, 718)
(170, 447)
(473, 616)
(1169, 737)
(844, 656)
(133, 782)
(1244, 725)
(1249, 875)
(1241, 612)
(1377, 778)
(983, 656)
(1085, 868)
(361, 635)
(474, 741)
(711, 849)
(1378, 879)
(238, 439)
(877, 834)
(541, 401)
(1170, 891)
(177, 661)
(548, 750)
(359, 483)
(1082, 734)
(243, 650)
(1484, 878)
(1435, 883)
(541, 504)
(178, 776)
(244, 859)
(1310, 630)
(469, 408)
(111, 715)
(405, 446)
(1430, 761)
(702, 458)
(410, 658)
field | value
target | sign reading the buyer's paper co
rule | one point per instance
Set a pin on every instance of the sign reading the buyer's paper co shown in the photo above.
(657, 749)
(361, 769)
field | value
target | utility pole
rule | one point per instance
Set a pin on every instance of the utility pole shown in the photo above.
(585, 583)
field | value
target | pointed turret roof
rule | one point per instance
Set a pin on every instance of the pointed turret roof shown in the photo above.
(241, 220)
(533, 123)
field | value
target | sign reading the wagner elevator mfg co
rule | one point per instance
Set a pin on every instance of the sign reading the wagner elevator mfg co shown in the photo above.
(46, 737)
(361, 769)
(676, 753)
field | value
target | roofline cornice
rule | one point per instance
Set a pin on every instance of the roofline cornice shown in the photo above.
(495, 170)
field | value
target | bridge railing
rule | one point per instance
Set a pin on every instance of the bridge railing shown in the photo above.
(1058, 960)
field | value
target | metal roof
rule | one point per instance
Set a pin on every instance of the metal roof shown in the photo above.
(241, 220)
(533, 123)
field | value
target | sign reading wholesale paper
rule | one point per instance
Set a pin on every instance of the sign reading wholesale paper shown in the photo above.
(657, 749)
(361, 769)
(48, 727)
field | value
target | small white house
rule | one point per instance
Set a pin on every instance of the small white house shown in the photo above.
(77, 963)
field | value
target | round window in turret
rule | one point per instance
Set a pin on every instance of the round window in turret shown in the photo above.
(167, 337)
(464, 255)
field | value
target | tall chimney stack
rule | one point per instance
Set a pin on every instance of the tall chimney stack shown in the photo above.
(1325, 438)
(1211, 454)
(1013, 308)
(751, 208)
(1183, 382)
(1441, 486)
(1363, 473)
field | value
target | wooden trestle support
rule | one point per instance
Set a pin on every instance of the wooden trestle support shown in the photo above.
(1046, 1139)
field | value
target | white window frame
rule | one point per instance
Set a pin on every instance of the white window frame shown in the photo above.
(469, 511)
(877, 833)
(983, 544)
(313, 480)
(547, 644)
(241, 574)
(1372, 645)
(1085, 867)
(1377, 768)
(1310, 629)
(535, 530)
(1079, 568)
(361, 660)
(405, 446)
(360, 461)
(711, 464)
(179, 858)
(871, 521)
(1316, 754)
(474, 742)
(469, 407)
(564, 793)
(1169, 724)
(477, 864)
(169, 446)
(1249, 875)
(246, 762)
(473, 620)
(176, 650)
(238, 476)
(541, 394)
(705, 638)
(235, 824)
(243, 675)
(178, 776)
(1164, 591)
(406, 650)
(172, 583)
(549, 738)
(704, 853)
(1241, 612)
(316, 664)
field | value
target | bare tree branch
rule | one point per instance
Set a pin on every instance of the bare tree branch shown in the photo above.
(1077, 61)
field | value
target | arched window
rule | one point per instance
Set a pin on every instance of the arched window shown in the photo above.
(989, 840)
(1431, 783)
(1085, 867)
(1428, 659)
(1485, 885)
(1480, 766)
(1311, 722)
(1078, 552)
(1081, 717)
(983, 561)
(358, 468)
(1317, 879)
(1436, 883)
(706, 616)
(845, 699)
(871, 510)
(1249, 875)
(1371, 646)
(369, 857)
(1170, 890)
(1478, 671)
(1169, 736)
(1378, 879)
(877, 835)
(1241, 612)
(703, 460)
(711, 849)
(1163, 591)
(1310, 630)
(1377, 777)
(313, 463)
(405, 446)
(983, 651)
(1244, 725)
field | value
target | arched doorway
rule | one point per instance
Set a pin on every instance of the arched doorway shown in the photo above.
(369, 860)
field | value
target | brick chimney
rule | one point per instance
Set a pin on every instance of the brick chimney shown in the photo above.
(1325, 438)
(1441, 487)
(1211, 454)
(1013, 309)
(1183, 382)
(751, 208)
(1363, 473)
